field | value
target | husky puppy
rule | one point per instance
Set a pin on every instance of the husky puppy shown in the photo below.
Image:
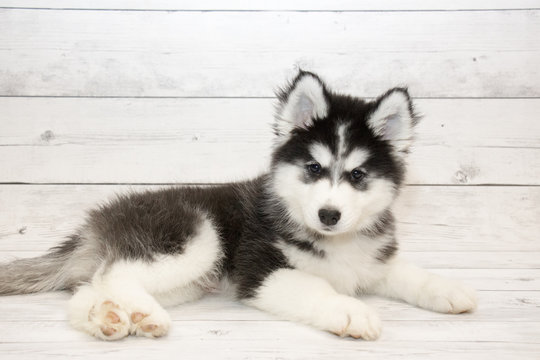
(301, 241)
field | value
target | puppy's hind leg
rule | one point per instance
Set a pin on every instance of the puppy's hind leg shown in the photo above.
(126, 291)
(124, 287)
(116, 305)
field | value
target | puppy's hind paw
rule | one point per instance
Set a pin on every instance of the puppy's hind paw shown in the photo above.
(111, 322)
(155, 324)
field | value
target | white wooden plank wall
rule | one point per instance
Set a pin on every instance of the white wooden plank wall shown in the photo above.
(98, 97)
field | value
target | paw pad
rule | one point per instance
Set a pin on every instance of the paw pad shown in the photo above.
(108, 331)
(149, 327)
(137, 317)
(112, 317)
(150, 324)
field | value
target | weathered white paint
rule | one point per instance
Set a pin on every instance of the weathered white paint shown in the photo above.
(310, 5)
(222, 341)
(107, 121)
(119, 53)
(459, 141)
(228, 339)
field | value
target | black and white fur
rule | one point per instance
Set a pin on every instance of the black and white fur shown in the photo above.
(301, 241)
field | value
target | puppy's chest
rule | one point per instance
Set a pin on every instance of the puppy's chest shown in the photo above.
(350, 265)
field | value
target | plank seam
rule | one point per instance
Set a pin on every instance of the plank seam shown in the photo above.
(269, 10)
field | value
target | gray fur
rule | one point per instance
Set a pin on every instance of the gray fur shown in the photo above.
(131, 226)
(64, 267)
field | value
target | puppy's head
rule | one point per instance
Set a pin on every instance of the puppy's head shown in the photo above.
(339, 161)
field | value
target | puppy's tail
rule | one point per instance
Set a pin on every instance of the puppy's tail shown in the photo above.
(61, 268)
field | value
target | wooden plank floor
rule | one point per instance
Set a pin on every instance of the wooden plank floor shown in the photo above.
(100, 97)
(498, 259)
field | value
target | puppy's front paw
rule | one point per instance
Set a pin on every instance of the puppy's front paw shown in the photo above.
(351, 317)
(447, 296)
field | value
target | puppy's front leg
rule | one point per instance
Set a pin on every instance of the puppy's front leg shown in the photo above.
(429, 291)
(298, 296)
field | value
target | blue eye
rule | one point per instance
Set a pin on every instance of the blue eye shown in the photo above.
(314, 168)
(357, 174)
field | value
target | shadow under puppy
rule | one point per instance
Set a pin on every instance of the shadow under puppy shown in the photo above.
(300, 241)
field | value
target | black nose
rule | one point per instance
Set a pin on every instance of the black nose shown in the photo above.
(329, 216)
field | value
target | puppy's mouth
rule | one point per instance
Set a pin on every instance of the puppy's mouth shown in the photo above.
(330, 230)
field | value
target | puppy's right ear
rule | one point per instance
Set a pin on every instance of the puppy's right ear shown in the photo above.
(300, 103)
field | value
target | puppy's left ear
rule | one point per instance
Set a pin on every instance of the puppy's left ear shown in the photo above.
(300, 103)
(393, 119)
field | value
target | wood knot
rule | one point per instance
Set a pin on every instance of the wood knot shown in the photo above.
(47, 136)
(461, 177)
(466, 174)
(218, 332)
